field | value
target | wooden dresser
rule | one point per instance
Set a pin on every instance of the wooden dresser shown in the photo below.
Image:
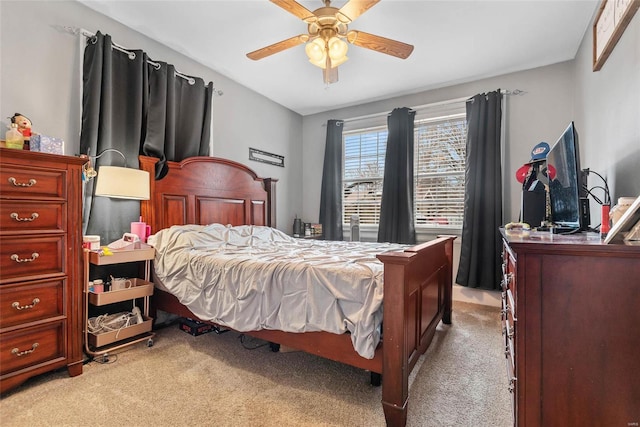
(571, 322)
(41, 307)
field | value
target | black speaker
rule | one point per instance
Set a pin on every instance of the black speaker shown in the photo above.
(585, 214)
(533, 207)
(297, 227)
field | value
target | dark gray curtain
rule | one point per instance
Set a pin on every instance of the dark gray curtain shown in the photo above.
(176, 105)
(396, 208)
(114, 108)
(331, 191)
(481, 246)
(136, 107)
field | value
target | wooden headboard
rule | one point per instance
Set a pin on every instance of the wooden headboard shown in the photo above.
(206, 190)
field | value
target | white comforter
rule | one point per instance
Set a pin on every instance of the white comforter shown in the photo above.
(250, 278)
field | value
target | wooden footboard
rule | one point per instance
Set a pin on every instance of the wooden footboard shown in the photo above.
(417, 295)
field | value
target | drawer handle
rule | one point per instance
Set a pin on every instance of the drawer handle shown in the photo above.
(14, 215)
(16, 258)
(15, 183)
(17, 305)
(19, 353)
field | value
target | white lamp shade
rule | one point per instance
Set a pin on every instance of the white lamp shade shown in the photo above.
(122, 183)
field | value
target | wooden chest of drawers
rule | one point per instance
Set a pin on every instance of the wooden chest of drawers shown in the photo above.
(41, 307)
(571, 312)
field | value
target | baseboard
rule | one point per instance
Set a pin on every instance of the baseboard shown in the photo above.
(476, 296)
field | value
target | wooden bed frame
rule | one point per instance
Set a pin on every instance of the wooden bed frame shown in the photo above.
(417, 282)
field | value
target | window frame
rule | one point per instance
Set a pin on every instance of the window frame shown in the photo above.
(454, 110)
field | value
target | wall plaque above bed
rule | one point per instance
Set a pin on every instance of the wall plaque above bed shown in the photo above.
(264, 157)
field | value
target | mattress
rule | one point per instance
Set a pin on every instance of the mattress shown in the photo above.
(251, 277)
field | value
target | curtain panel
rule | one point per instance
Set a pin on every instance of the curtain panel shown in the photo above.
(179, 116)
(114, 110)
(136, 106)
(481, 245)
(331, 191)
(396, 207)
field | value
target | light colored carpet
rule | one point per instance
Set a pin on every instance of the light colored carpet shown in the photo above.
(213, 380)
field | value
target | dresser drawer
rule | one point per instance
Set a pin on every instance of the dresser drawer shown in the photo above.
(21, 216)
(31, 183)
(30, 257)
(31, 346)
(31, 301)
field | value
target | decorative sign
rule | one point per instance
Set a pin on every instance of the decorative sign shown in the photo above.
(611, 21)
(264, 157)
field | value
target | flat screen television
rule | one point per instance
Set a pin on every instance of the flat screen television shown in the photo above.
(567, 189)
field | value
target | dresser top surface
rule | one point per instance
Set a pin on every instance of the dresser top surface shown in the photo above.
(9, 155)
(546, 240)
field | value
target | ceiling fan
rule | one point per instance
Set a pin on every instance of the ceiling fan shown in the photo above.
(328, 28)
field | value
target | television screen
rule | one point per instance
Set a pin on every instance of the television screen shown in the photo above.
(565, 183)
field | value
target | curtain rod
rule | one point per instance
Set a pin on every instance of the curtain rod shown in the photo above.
(507, 92)
(418, 107)
(132, 55)
(450, 101)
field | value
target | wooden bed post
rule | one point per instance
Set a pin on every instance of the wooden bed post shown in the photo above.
(448, 289)
(417, 295)
(270, 186)
(146, 207)
(395, 360)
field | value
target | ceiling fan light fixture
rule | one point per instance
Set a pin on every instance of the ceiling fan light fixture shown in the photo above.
(328, 36)
(337, 50)
(316, 52)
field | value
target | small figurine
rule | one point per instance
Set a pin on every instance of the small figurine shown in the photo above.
(24, 125)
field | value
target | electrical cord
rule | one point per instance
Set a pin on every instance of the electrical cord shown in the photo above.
(597, 199)
(607, 194)
(113, 358)
(111, 322)
(253, 347)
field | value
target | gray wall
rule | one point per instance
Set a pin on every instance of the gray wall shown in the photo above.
(40, 77)
(607, 114)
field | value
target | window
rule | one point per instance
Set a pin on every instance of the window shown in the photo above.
(362, 173)
(440, 151)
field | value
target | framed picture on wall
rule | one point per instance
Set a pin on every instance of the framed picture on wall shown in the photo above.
(627, 222)
(611, 20)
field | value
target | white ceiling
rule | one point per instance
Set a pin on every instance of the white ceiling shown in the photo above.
(455, 41)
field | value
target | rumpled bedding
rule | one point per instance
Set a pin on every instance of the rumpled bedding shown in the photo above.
(251, 277)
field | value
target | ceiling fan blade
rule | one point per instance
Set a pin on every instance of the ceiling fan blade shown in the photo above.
(354, 8)
(296, 9)
(380, 44)
(278, 47)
